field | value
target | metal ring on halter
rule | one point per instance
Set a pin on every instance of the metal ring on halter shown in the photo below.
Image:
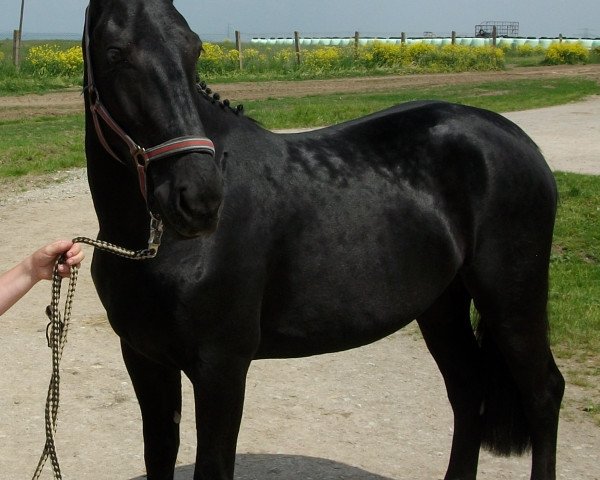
(139, 156)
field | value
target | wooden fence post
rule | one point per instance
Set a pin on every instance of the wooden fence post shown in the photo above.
(356, 42)
(403, 38)
(494, 35)
(297, 46)
(560, 38)
(17, 37)
(453, 37)
(238, 47)
(16, 48)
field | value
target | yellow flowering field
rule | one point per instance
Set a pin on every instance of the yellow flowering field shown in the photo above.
(223, 60)
(430, 58)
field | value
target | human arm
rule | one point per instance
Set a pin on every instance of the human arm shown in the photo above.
(38, 266)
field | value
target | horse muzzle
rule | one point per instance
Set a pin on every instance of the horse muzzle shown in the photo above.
(187, 192)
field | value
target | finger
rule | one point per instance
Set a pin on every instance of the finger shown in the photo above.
(64, 270)
(58, 247)
(75, 257)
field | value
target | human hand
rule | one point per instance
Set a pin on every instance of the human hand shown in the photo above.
(42, 260)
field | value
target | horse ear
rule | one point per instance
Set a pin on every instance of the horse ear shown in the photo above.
(95, 7)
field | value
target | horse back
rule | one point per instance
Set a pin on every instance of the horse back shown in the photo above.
(466, 159)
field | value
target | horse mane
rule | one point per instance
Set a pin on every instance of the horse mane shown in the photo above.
(208, 94)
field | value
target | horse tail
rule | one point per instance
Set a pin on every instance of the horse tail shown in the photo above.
(505, 429)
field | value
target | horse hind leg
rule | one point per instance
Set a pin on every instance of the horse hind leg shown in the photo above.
(523, 386)
(447, 331)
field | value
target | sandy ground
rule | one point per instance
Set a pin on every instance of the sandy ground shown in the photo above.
(374, 413)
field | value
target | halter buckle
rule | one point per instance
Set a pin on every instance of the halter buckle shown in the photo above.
(156, 230)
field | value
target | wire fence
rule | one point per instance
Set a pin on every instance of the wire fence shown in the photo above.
(246, 36)
(337, 38)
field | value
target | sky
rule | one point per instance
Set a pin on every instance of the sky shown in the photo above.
(218, 19)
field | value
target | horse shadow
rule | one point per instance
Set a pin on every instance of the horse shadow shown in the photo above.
(250, 466)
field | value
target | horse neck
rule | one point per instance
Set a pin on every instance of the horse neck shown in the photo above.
(120, 207)
(219, 120)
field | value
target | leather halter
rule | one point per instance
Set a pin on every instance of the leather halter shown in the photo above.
(141, 156)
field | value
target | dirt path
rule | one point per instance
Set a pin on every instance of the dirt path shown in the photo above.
(375, 413)
(71, 101)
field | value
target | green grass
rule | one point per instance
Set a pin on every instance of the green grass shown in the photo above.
(13, 82)
(41, 145)
(496, 96)
(521, 61)
(575, 266)
(47, 144)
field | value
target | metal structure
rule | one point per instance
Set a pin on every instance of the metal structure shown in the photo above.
(503, 29)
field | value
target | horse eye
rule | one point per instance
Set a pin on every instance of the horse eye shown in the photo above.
(114, 55)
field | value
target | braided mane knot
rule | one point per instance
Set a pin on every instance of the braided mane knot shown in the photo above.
(214, 97)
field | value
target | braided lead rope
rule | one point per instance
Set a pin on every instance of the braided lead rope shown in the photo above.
(56, 334)
(144, 254)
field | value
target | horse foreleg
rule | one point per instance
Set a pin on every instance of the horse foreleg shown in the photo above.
(158, 390)
(450, 339)
(219, 381)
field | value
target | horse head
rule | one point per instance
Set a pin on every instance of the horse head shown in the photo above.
(141, 61)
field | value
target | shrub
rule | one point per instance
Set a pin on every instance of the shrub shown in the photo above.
(421, 54)
(252, 54)
(49, 60)
(322, 59)
(284, 57)
(379, 54)
(459, 58)
(566, 53)
(530, 51)
(212, 59)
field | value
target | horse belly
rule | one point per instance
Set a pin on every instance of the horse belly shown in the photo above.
(333, 296)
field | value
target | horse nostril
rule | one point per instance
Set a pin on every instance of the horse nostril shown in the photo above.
(198, 206)
(212, 205)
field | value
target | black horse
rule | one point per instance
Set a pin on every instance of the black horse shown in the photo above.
(294, 245)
